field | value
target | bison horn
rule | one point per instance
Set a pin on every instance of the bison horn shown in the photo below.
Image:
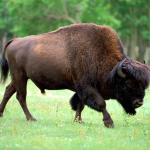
(119, 70)
(120, 73)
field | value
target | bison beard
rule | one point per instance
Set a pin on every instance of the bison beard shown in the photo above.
(128, 107)
(85, 58)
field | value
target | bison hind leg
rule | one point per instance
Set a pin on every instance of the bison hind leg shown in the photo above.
(10, 90)
(74, 102)
(77, 105)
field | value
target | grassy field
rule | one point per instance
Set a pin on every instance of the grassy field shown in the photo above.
(55, 129)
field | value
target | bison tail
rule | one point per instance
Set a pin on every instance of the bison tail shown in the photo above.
(4, 65)
(74, 101)
(4, 69)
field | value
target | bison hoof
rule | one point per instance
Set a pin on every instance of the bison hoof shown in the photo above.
(109, 123)
(31, 119)
(78, 120)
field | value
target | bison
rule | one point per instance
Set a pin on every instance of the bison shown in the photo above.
(86, 58)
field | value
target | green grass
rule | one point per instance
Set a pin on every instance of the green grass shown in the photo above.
(55, 129)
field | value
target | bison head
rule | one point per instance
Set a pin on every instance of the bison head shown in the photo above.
(129, 79)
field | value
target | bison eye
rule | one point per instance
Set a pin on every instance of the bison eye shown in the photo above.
(129, 83)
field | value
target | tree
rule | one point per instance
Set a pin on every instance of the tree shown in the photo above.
(37, 16)
(5, 23)
(98, 11)
(134, 28)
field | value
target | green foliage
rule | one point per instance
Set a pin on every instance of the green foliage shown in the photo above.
(5, 19)
(98, 11)
(134, 15)
(33, 16)
(37, 16)
(25, 17)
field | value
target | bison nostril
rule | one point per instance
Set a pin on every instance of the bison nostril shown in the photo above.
(137, 103)
(140, 103)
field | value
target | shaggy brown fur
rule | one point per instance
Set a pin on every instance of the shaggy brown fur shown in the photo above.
(85, 58)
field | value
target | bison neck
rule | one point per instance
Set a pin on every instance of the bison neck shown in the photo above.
(104, 85)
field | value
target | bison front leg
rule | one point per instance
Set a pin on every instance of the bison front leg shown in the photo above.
(77, 105)
(94, 100)
(108, 122)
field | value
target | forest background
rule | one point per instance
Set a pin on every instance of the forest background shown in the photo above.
(130, 18)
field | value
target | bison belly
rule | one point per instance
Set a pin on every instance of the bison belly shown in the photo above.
(49, 70)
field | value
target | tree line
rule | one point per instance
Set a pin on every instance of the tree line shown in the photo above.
(131, 19)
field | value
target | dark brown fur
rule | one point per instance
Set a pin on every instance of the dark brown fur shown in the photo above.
(83, 58)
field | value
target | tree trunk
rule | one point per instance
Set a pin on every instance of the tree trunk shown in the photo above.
(3, 41)
(132, 49)
(142, 49)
